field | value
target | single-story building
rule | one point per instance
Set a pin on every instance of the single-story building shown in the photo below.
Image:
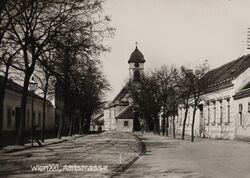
(224, 112)
(11, 110)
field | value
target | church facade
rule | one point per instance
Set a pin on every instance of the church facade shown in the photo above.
(120, 114)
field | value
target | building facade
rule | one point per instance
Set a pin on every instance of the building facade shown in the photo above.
(11, 110)
(224, 112)
(120, 113)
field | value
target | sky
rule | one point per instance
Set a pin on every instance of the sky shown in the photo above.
(174, 32)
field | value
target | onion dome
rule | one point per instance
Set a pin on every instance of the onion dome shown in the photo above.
(136, 57)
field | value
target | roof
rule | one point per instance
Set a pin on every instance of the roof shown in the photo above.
(224, 74)
(119, 97)
(136, 56)
(99, 119)
(126, 113)
(13, 86)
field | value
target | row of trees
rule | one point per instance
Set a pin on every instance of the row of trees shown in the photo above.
(56, 41)
(160, 91)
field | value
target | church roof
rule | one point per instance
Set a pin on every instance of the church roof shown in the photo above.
(126, 113)
(136, 56)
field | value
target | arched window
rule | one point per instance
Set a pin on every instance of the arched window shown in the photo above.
(136, 75)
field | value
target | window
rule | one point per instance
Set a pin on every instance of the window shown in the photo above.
(221, 112)
(228, 111)
(126, 123)
(208, 114)
(9, 114)
(249, 107)
(214, 112)
(136, 75)
(240, 112)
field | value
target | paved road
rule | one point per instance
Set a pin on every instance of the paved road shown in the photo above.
(182, 159)
(107, 149)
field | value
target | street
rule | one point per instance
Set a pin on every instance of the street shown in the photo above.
(88, 156)
(182, 159)
(100, 155)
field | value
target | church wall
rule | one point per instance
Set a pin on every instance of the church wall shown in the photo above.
(112, 118)
(106, 121)
(122, 126)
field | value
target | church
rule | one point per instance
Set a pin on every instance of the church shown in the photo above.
(121, 114)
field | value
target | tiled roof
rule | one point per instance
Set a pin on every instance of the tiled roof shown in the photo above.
(227, 72)
(13, 86)
(121, 94)
(136, 56)
(126, 113)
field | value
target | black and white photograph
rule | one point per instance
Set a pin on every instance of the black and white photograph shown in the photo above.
(125, 88)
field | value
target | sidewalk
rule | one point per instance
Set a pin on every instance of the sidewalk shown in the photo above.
(14, 148)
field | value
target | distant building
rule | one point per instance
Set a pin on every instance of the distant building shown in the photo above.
(96, 123)
(120, 113)
(11, 110)
(225, 110)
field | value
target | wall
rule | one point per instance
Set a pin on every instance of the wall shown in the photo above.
(242, 129)
(106, 121)
(210, 124)
(13, 100)
(121, 127)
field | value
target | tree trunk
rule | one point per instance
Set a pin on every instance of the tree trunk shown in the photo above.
(70, 125)
(156, 126)
(21, 127)
(184, 124)
(87, 128)
(192, 131)
(163, 125)
(44, 116)
(80, 125)
(2, 94)
(167, 125)
(173, 127)
(60, 127)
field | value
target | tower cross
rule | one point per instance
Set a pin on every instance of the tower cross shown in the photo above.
(136, 44)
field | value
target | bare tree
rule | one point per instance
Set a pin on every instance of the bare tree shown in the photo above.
(196, 88)
(168, 95)
(8, 50)
(33, 31)
(46, 83)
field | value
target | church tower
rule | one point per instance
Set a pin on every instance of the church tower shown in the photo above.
(136, 65)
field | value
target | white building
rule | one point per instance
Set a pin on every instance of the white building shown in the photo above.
(224, 112)
(11, 110)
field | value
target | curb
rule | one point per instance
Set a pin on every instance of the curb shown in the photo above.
(29, 147)
(121, 168)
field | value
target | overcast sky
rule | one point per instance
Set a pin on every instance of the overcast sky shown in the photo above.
(174, 33)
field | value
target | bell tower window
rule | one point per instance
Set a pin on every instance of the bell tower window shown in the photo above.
(136, 65)
(136, 75)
